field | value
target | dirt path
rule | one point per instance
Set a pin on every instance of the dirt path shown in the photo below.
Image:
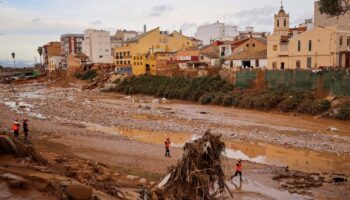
(128, 132)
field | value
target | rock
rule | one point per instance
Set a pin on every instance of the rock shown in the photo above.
(79, 191)
(155, 101)
(333, 129)
(143, 180)
(132, 177)
(15, 181)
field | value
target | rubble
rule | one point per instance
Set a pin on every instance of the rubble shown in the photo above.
(198, 174)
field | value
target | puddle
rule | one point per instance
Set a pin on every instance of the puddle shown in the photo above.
(252, 186)
(303, 160)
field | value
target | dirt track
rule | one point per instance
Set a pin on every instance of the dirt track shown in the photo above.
(113, 129)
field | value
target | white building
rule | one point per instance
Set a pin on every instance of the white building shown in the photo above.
(121, 36)
(54, 63)
(216, 31)
(97, 46)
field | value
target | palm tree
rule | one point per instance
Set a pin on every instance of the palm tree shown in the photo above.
(40, 51)
(14, 58)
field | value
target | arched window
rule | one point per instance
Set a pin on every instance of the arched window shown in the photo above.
(285, 23)
(278, 23)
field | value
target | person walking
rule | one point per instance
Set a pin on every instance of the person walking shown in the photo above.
(238, 170)
(15, 128)
(167, 147)
(25, 127)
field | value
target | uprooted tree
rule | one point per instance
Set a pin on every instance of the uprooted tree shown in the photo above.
(199, 174)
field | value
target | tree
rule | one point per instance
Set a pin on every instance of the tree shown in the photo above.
(334, 8)
(40, 51)
(14, 58)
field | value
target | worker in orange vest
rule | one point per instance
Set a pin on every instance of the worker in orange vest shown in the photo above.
(238, 170)
(15, 128)
(167, 147)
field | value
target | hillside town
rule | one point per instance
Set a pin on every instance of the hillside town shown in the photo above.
(228, 112)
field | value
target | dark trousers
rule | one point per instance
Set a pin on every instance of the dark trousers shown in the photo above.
(26, 134)
(16, 133)
(167, 152)
(237, 173)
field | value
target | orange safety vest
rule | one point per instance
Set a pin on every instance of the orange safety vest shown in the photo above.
(167, 144)
(14, 127)
(239, 167)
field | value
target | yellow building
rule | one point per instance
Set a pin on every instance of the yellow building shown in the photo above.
(135, 53)
(320, 47)
(277, 43)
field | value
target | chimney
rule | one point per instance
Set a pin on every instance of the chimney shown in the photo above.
(144, 28)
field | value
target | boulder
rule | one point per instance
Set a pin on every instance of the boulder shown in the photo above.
(79, 191)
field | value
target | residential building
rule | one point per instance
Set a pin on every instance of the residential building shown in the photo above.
(250, 53)
(320, 47)
(75, 62)
(52, 49)
(97, 46)
(135, 51)
(210, 55)
(121, 36)
(54, 63)
(225, 48)
(341, 22)
(188, 58)
(249, 32)
(216, 31)
(70, 44)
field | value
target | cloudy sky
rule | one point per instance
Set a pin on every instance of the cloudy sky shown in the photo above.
(27, 24)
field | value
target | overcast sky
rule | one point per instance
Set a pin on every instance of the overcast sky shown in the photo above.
(27, 24)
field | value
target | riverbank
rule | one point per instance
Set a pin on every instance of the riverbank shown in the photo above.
(127, 132)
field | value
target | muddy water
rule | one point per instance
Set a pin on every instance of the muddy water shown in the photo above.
(299, 159)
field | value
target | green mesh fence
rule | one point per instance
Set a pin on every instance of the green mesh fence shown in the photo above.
(335, 83)
(245, 79)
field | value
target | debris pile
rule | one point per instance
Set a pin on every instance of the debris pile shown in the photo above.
(298, 182)
(199, 174)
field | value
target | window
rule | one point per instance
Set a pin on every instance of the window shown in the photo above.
(117, 62)
(274, 65)
(309, 62)
(253, 44)
(299, 45)
(341, 41)
(274, 47)
(285, 23)
(348, 42)
(298, 64)
(310, 45)
(128, 62)
(247, 45)
(278, 23)
(282, 65)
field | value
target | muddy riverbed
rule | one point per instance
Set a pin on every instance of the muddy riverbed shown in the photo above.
(128, 132)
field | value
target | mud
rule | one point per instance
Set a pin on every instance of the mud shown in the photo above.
(127, 134)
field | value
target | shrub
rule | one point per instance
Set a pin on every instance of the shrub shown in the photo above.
(206, 99)
(87, 75)
(343, 112)
(289, 104)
